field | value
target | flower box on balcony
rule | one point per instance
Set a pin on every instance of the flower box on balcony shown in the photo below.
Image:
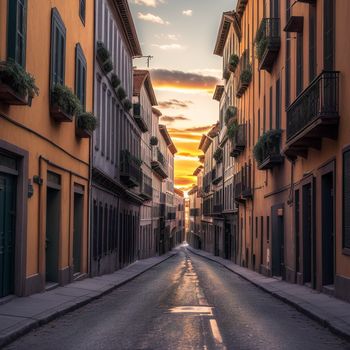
(233, 63)
(17, 87)
(86, 123)
(64, 104)
(267, 150)
(104, 57)
(244, 81)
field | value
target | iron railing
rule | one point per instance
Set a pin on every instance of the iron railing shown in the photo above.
(130, 169)
(319, 99)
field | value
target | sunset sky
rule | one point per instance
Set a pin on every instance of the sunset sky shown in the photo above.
(181, 35)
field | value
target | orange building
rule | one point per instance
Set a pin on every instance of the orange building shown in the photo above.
(287, 66)
(44, 152)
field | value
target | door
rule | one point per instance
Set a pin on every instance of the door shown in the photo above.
(308, 236)
(77, 232)
(52, 233)
(228, 241)
(277, 242)
(7, 233)
(216, 238)
(327, 229)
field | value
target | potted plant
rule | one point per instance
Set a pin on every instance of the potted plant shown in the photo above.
(267, 145)
(246, 76)
(86, 123)
(230, 113)
(104, 57)
(17, 87)
(261, 40)
(64, 103)
(233, 62)
(127, 104)
(115, 81)
(121, 94)
(219, 155)
(232, 130)
(154, 141)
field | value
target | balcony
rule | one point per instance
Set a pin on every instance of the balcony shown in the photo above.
(146, 187)
(216, 176)
(139, 117)
(171, 216)
(268, 43)
(267, 151)
(217, 209)
(194, 212)
(313, 115)
(243, 188)
(238, 141)
(130, 169)
(159, 163)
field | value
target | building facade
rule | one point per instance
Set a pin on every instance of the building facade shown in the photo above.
(179, 202)
(44, 161)
(116, 151)
(288, 140)
(143, 100)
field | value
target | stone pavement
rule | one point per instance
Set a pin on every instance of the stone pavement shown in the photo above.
(20, 315)
(328, 311)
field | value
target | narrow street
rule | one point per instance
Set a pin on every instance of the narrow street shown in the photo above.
(186, 302)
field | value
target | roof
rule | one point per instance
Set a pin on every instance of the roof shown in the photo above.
(193, 190)
(156, 111)
(123, 9)
(226, 20)
(179, 192)
(164, 131)
(142, 77)
(205, 143)
(198, 170)
(219, 90)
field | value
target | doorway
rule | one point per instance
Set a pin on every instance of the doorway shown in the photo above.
(277, 241)
(77, 232)
(328, 229)
(7, 233)
(228, 241)
(53, 205)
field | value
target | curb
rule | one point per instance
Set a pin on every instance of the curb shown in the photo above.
(69, 307)
(322, 320)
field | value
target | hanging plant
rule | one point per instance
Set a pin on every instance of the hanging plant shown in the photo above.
(246, 76)
(154, 141)
(104, 57)
(232, 130)
(233, 62)
(64, 98)
(231, 112)
(121, 94)
(127, 104)
(267, 144)
(219, 155)
(115, 81)
(21, 82)
(86, 123)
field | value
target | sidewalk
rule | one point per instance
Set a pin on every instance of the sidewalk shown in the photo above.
(21, 315)
(328, 311)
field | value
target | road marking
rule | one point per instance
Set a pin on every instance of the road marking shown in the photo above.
(216, 332)
(200, 310)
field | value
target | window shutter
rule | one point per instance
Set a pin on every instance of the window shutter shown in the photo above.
(16, 31)
(80, 75)
(346, 199)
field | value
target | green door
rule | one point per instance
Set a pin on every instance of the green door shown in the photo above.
(7, 233)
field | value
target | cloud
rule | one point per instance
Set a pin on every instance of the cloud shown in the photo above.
(173, 37)
(163, 78)
(185, 154)
(197, 129)
(171, 119)
(149, 17)
(149, 3)
(174, 104)
(187, 13)
(183, 181)
(167, 47)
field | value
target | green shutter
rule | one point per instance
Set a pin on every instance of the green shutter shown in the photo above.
(80, 75)
(16, 31)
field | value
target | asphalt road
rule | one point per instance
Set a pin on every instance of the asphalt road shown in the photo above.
(187, 302)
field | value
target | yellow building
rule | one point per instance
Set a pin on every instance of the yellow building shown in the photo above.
(44, 148)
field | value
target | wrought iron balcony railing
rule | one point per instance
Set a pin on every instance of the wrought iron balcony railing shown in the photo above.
(313, 115)
(238, 141)
(268, 42)
(139, 116)
(130, 169)
(159, 163)
(146, 187)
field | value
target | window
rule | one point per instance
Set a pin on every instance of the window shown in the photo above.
(80, 75)
(58, 48)
(299, 61)
(346, 199)
(328, 34)
(82, 10)
(278, 104)
(16, 29)
(312, 42)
